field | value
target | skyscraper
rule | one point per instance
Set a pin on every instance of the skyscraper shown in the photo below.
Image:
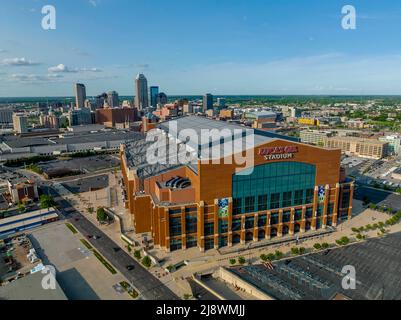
(154, 91)
(80, 95)
(207, 102)
(113, 100)
(141, 92)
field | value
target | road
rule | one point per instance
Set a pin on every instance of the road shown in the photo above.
(150, 287)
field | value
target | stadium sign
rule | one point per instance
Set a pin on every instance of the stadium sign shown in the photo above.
(278, 153)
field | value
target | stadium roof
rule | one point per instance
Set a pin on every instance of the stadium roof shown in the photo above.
(216, 146)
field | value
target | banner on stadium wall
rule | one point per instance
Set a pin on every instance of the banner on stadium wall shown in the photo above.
(322, 193)
(223, 208)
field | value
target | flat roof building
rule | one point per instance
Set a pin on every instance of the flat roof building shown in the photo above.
(30, 288)
(69, 143)
(22, 190)
(20, 123)
(212, 201)
(315, 137)
(110, 117)
(354, 146)
(6, 116)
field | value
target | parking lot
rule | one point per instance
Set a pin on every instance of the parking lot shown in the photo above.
(80, 274)
(80, 165)
(319, 276)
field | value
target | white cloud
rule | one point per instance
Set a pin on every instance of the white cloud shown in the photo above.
(62, 68)
(90, 70)
(19, 62)
(35, 78)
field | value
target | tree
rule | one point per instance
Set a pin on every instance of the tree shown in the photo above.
(325, 245)
(279, 255)
(147, 262)
(264, 257)
(46, 201)
(302, 250)
(233, 261)
(21, 207)
(137, 254)
(317, 246)
(101, 215)
(294, 250)
(343, 241)
(271, 256)
(241, 260)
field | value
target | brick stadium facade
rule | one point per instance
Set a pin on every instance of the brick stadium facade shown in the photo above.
(291, 188)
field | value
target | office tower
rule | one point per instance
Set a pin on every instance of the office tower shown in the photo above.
(80, 95)
(113, 100)
(154, 91)
(162, 98)
(100, 99)
(221, 102)
(20, 123)
(141, 92)
(207, 102)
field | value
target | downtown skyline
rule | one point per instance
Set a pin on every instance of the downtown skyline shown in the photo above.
(222, 47)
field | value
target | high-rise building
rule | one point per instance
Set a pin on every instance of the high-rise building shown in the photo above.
(141, 92)
(221, 102)
(80, 95)
(162, 98)
(113, 100)
(207, 102)
(20, 123)
(100, 99)
(154, 91)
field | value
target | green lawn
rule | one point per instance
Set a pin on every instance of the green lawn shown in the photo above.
(70, 226)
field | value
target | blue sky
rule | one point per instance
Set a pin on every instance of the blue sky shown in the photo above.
(197, 46)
